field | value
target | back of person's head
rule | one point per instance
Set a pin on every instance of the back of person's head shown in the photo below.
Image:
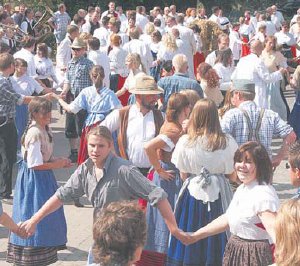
(169, 41)
(192, 97)
(215, 9)
(208, 74)
(28, 42)
(179, 63)
(287, 230)
(134, 34)
(6, 60)
(105, 21)
(167, 65)
(157, 22)
(139, 9)
(94, 43)
(156, 36)
(115, 39)
(149, 28)
(176, 103)
(224, 57)
(91, 9)
(119, 234)
(195, 28)
(204, 122)
(72, 28)
(180, 19)
(227, 105)
(260, 157)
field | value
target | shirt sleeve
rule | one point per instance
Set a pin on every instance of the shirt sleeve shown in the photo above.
(169, 144)
(37, 87)
(74, 187)
(112, 121)
(266, 199)
(34, 154)
(141, 187)
(78, 103)
(281, 128)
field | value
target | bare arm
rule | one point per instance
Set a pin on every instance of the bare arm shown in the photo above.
(151, 149)
(7, 222)
(50, 206)
(217, 226)
(268, 220)
(55, 164)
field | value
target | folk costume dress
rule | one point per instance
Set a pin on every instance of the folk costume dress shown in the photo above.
(98, 103)
(33, 188)
(204, 196)
(156, 248)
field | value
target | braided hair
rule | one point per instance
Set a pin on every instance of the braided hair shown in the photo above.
(37, 105)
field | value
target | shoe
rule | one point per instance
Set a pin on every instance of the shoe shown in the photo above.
(78, 204)
(73, 156)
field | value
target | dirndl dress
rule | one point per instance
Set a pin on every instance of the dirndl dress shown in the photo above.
(156, 248)
(294, 119)
(33, 188)
(192, 213)
(21, 121)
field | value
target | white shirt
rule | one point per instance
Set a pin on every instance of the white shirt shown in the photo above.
(64, 53)
(29, 58)
(101, 59)
(225, 75)
(215, 19)
(285, 38)
(24, 25)
(137, 46)
(164, 54)
(117, 58)
(123, 20)
(140, 130)
(211, 58)
(141, 21)
(26, 85)
(44, 68)
(103, 35)
(248, 201)
(251, 67)
(235, 44)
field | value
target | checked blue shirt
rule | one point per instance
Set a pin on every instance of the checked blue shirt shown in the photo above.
(235, 123)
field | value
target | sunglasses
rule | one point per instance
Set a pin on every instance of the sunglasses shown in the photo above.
(76, 49)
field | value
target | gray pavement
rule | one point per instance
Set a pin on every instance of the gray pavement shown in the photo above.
(79, 220)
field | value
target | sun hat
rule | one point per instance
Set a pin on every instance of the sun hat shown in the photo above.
(78, 43)
(145, 84)
(243, 85)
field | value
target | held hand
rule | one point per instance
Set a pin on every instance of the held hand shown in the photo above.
(63, 95)
(29, 227)
(49, 96)
(21, 232)
(282, 71)
(184, 237)
(166, 175)
(276, 161)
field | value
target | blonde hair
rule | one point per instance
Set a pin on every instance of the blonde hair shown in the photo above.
(287, 229)
(169, 42)
(149, 28)
(102, 132)
(135, 59)
(204, 122)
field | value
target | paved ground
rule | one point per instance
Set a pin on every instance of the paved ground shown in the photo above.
(79, 220)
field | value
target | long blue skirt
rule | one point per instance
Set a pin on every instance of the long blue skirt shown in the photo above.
(158, 232)
(21, 121)
(192, 214)
(294, 119)
(33, 188)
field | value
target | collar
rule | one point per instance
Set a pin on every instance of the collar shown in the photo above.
(136, 109)
(108, 160)
(181, 74)
(245, 103)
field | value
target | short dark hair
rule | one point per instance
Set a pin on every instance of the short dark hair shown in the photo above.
(294, 155)
(167, 65)
(6, 60)
(105, 20)
(214, 9)
(118, 231)
(4, 48)
(261, 159)
(20, 62)
(94, 43)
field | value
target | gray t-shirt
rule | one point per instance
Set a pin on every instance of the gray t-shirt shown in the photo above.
(120, 181)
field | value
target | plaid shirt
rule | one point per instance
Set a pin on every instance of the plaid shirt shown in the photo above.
(61, 20)
(234, 122)
(8, 99)
(78, 74)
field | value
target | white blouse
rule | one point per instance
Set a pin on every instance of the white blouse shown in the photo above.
(29, 58)
(248, 201)
(117, 58)
(44, 68)
(225, 75)
(26, 85)
(190, 158)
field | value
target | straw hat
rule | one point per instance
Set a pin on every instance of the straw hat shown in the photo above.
(145, 84)
(78, 43)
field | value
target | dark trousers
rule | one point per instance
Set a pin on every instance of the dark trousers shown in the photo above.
(8, 136)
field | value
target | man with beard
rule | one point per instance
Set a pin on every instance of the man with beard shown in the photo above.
(138, 123)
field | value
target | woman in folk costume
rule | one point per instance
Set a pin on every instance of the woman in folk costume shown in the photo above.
(34, 186)
(204, 157)
(166, 176)
(97, 100)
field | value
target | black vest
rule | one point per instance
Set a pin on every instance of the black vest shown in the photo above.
(30, 30)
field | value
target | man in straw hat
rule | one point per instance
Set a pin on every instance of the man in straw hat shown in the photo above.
(138, 123)
(249, 122)
(76, 79)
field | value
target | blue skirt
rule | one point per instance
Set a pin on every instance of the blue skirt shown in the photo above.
(294, 119)
(158, 232)
(33, 188)
(21, 121)
(192, 214)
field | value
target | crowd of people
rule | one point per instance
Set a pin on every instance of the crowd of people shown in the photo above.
(151, 116)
